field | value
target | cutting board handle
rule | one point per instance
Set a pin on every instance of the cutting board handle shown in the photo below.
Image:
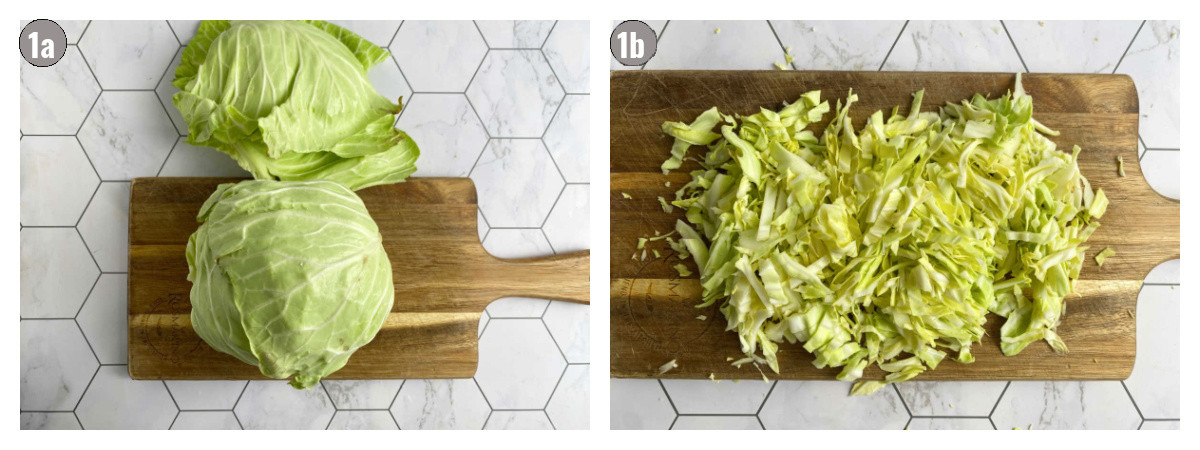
(556, 277)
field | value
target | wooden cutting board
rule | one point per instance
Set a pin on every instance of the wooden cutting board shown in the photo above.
(443, 276)
(652, 309)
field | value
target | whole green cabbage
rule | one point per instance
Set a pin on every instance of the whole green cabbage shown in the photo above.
(290, 100)
(290, 276)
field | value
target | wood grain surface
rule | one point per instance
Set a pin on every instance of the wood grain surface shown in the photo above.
(652, 310)
(444, 279)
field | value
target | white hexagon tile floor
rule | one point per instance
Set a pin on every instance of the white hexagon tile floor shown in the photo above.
(1146, 50)
(503, 102)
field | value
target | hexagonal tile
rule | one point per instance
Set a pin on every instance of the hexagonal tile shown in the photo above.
(790, 407)
(515, 93)
(567, 138)
(1160, 425)
(275, 405)
(362, 420)
(55, 99)
(570, 406)
(1153, 62)
(716, 423)
(438, 56)
(951, 398)
(206, 420)
(837, 44)
(1073, 46)
(187, 160)
(980, 46)
(692, 44)
(717, 397)
(1154, 382)
(930, 423)
(362, 394)
(103, 318)
(184, 30)
(567, 226)
(517, 243)
(515, 33)
(516, 182)
(49, 421)
(448, 132)
(56, 272)
(440, 404)
(1167, 272)
(379, 32)
(56, 180)
(519, 420)
(105, 226)
(127, 54)
(568, 323)
(518, 364)
(165, 90)
(639, 405)
(114, 401)
(1161, 169)
(390, 82)
(206, 394)
(56, 365)
(567, 51)
(1038, 405)
(127, 135)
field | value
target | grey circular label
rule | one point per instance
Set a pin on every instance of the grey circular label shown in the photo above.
(633, 43)
(43, 42)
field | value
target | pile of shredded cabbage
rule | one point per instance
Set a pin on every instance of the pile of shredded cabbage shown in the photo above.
(887, 245)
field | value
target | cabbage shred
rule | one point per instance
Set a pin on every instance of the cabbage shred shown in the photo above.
(886, 245)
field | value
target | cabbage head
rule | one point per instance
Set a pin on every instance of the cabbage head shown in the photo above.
(290, 100)
(289, 276)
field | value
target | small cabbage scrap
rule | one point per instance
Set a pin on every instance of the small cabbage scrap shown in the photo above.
(886, 245)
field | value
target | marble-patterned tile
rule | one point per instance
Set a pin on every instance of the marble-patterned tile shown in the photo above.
(127, 135)
(969, 46)
(567, 51)
(55, 99)
(517, 243)
(206, 394)
(49, 421)
(747, 45)
(1167, 272)
(515, 33)
(1160, 425)
(56, 181)
(165, 90)
(1072, 46)
(1040, 405)
(440, 404)
(717, 423)
(206, 420)
(1154, 382)
(450, 135)
(1153, 62)
(568, 323)
(837, 44)
(518, 364)
(105, 226)
(56, 365)
(516, 182)
(187, 160)
(116, 402)
(656, 25)
(127, 54)
(639, 404)
(570, 406)
(103, 318)
(362, 394)
(940, 423)
(790, 407)
(567, 227)
(390, 83)
(438, 56)
(515, 93)
(73, 28)
(567, 138)
(362, 420)
(276, 405)
(56, 272)
(717, 397)
(379, 32)
(184, 30)
(951, 398)
(519, 420)
(1161, 169)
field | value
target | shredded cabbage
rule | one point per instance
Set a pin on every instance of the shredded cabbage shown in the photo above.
(887, 245)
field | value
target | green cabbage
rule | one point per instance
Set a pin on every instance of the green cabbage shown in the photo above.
(887, 245)
(290, 276)
(290, 100)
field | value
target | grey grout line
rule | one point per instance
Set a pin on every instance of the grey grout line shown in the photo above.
(1126, 52)
(484, 395)
(177, 413)
(993, 422)
(774, 383)
(1160, 284)
(668, 394)
(556, 385)
(1132, 400)
(395, 35)
(902, 402)
(672, 426)
(781, 47)
(998, 399)
(547, 218)
(552, 426)
(548, 34)
(85, 300)
(893, 47)
(173, 33)
(83, 32)
(556, 346)
(481, 35)
(919, 416)
(1159, 149)
(488, 419)
(909, 422)
(168, 158)
(1014, 44)
(86, 388)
